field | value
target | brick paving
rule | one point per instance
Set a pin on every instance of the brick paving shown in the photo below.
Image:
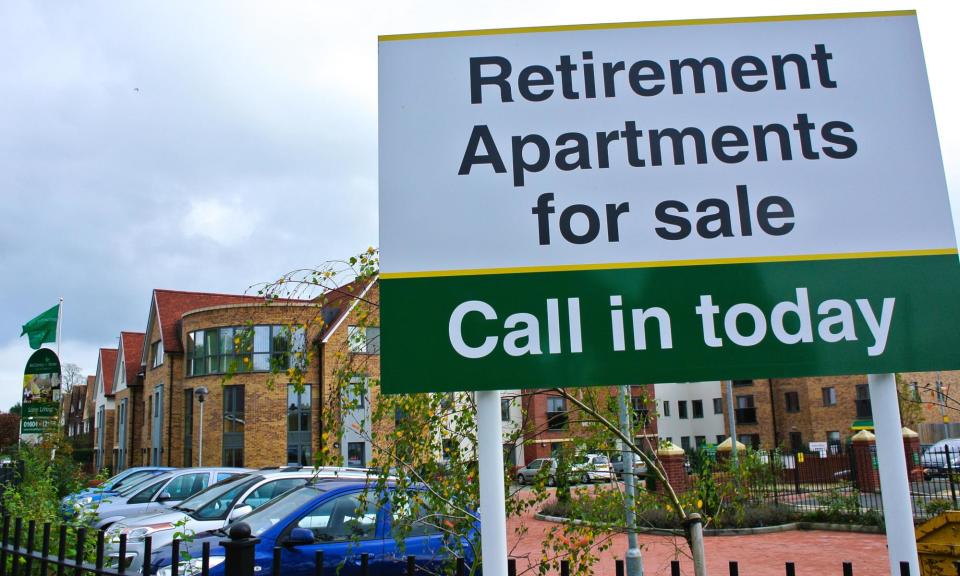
(815, 552)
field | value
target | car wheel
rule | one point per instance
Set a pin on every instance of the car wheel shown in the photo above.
(520, 479)
(551, 481)
(585, 479)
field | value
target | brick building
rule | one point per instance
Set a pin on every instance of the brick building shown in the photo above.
(550, 422)
(128, 401)
(104, 408)
(792, 412)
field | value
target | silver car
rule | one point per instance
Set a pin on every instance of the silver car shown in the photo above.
(159, 493)
(541, 466)
(934, 460)
(212, 508)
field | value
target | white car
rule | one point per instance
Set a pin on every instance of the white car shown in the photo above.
(159, 493)
(590, 467)
(212, 508)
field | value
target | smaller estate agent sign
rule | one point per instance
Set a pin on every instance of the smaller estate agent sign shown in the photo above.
(644, 202)
(40, 378)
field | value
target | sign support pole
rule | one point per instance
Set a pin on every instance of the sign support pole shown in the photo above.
(894, 485)
(493, 515)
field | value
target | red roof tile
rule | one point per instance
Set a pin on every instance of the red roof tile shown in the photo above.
(132, 344)
(108, 364)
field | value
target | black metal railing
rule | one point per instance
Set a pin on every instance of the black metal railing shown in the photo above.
(24, 552)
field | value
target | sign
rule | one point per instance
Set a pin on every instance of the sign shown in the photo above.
(40, 378)
(820, 448)
(662, 202)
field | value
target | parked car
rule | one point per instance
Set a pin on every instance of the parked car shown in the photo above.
(590, 467)
(212, 508)
(329, 516)
(639, 466)
(159, 493)
(73, 503)
(545, 466)
(934, 459)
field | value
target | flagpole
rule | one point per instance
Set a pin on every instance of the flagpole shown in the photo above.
(59, 323)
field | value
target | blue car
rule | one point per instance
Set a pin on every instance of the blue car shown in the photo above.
(72, 503)
(344, 521)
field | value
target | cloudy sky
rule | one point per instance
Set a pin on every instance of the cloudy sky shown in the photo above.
(212, 145)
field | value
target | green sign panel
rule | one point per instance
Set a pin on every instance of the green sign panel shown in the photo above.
(662, 202)
(41, 378)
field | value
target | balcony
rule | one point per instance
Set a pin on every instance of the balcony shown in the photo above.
(863, 408)
(745, 415)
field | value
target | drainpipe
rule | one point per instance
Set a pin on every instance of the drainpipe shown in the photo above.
(773, 415)
(169, 414)
(320, 384)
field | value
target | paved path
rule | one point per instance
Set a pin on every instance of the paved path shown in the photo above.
(815, 553)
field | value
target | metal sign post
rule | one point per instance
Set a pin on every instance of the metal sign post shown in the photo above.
(493, 515)
(894, 485)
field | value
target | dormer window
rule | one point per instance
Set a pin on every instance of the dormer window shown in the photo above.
(156, 353)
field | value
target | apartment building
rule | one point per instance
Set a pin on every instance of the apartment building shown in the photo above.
(691, 414)
(128, 401)
(104, 407)
(550, 421)
(792, 412)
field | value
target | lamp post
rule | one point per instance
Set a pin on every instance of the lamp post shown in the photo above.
(201, 394)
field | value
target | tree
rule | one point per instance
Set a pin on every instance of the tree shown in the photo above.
(70, 376)
(430, 439)
(911, 409)
(15, 409)
(9, 429)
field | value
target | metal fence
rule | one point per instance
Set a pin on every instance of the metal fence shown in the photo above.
(62, 551)
(840, 480)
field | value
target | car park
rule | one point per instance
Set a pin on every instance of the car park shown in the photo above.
(941, 458)
(213, 508)
(74, 503)
(338, 518)
(159, 493)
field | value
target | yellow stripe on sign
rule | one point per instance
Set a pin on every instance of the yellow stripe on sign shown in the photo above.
(669, 263)
(653, 24)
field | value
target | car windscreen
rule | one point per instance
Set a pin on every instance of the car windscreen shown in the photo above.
(142, 483)
(279, 508)
(218, 503)
(146, 490)
(204, 497)
(130, 480)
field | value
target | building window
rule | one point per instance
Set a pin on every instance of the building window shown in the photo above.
(556, 413)
(685, 442)
(233, 425)
(745, 412)
(682, 409)
(364, 339)
(796, 441)
(833, 441)
(792, 400)
(357, 454)
(188, 427)
(742, 382)
(750, 440)
(640, 412)
(245, 349)
(700, 441)
(718, 405)
(862, 401)
(666, 408)
(504, 409)
(829, 394)
(298, 425)
(720, 438)
(697, 408)
(914, 392)
(156, 353)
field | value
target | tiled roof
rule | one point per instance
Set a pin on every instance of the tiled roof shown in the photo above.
(132, 345)
(173, 304)
(108, 365)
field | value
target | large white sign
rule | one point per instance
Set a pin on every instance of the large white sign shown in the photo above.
(640, 144)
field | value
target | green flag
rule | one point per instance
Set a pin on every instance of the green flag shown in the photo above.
(43, 328)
